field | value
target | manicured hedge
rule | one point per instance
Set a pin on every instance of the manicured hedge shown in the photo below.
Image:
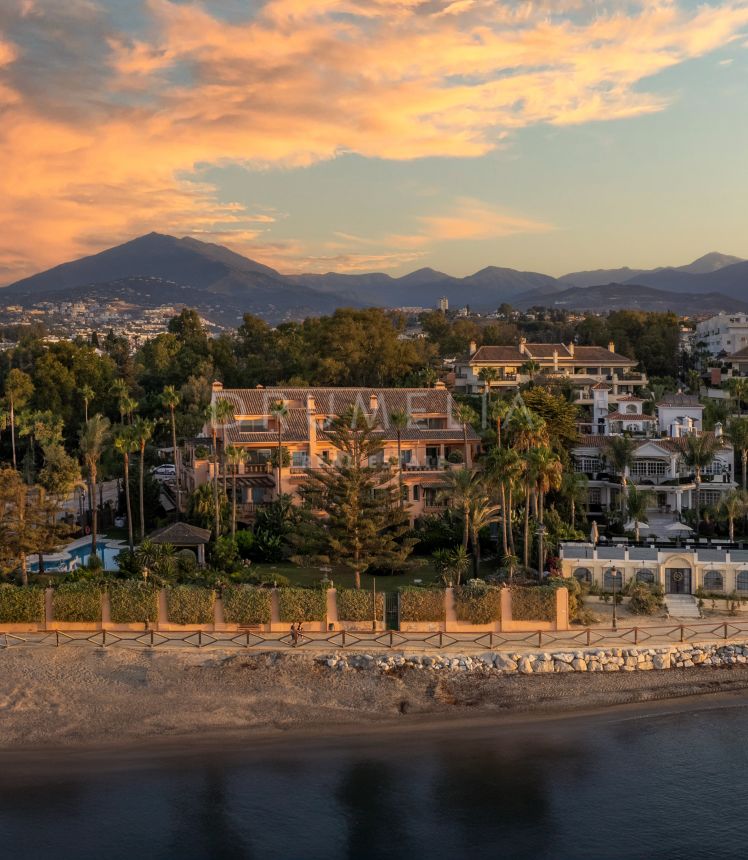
(302, 604)
(187, 604)
(357, 605)
(422, 604)
(533, 603)
(24, 605)
(244, 604)
(133, 601)
(77, 601)
(478, 607)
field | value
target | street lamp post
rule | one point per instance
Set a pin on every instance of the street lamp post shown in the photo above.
(540, 532)
(614, 575)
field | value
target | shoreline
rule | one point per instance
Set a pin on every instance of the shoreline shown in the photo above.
(144, 706)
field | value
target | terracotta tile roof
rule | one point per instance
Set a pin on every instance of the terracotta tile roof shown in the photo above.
(602, 386)
(667, 442)
(680, 399)
(740, 355)
(544, 352)
(600, 355)
(629, 416)
(630, 398)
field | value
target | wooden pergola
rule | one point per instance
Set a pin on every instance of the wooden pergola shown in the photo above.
(183, 535)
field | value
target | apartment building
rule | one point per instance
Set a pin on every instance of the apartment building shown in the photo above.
(431, 443)
(723, 334)
(582, 367)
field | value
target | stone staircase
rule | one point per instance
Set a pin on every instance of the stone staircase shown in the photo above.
(682, 606)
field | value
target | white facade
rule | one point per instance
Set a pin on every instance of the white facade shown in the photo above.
(724, 333)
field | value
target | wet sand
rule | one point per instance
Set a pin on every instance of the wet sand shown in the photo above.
(79, 698)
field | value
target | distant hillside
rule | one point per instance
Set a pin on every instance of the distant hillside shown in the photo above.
(611, 297)
(730, 281)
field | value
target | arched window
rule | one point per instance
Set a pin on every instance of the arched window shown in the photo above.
(713, 580)
(611, 579)
(583, 574)
(631, 409)
(741, 581)
(645, 575)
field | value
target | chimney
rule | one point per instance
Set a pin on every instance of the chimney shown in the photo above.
(571, 349)
(676, 428)
(440, 386)
(373, 402)
(217, 386)
(523, 345)
(310, 404)
(555, 359)
(311, 424)
(718, 430)
(473, 347)
(611, 346)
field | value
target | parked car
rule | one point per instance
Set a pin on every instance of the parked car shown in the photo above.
(168, 470)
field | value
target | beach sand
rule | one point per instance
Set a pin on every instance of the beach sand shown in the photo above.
(81, 697)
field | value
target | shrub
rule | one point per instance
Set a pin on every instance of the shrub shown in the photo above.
(244, 604)
(478, 604)
(132, 601)
(190, 605)
(244, 542)
(645, 600)
(456, 457)
(77, 601)
(574, 587)
(533, 603)
(302, 604)
(422, 604)
(21, 604)
(358, 605)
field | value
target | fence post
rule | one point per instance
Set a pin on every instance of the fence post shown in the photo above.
(725, 626)
(48, 596)
(682, 634)
(589, 636)
(343, 637)
(636, 635)
(540, 635)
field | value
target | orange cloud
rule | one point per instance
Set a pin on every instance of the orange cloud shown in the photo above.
(108, 137)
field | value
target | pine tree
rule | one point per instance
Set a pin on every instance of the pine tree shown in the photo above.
(363, 525)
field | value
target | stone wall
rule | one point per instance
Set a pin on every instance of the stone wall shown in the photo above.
(536, 663)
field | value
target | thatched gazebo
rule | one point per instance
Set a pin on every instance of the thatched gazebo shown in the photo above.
(183, 535)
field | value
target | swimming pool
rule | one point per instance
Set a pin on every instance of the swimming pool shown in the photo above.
(77, 553)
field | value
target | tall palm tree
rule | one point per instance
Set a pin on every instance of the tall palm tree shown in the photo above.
(170, 399)
(127, 406)
(734, 504)
(88, 394)
(487, 375)
(142, 432)
(460, 487)
(500, 409)
(482, 512)
(637, 503)
(465, 415)
(126, 443)
(738, 388)
(699, 453)
(620, 455)
(737, 433)
(235, 456)
(279, 412)
(399, 420)
(224, 416)
(18, 390)
(528, 431)
(502, 464)
(574, 489)
(93, 438)
(530, 368)
(548, 472)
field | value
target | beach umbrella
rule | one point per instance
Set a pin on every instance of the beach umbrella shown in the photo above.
(594, 533)
(678, 527)
(631, 525)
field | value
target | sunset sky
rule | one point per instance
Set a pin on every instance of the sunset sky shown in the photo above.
(358, 135)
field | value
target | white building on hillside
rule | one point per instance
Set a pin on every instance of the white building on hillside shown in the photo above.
(724, 333)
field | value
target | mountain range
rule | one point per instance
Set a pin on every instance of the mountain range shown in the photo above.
(157, 269)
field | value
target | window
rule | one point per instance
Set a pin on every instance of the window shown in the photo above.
(649, 468)
(632, 409)
(645, 575)
(406, 457)
(583, 574)
(587, 464)
(741, 580)
(430, 423)
(594, 495)
(258, 456)
(416, 493)
(611, 579)
(299, 458)
(253, 425)
(713, 580)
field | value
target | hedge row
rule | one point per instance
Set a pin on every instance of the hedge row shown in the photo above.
(302, 604)
(77, 601)
(422, 604)
(533, 603)
(245, 604)
(356, 605)
(187, 604)
(24, 605)
(478, 607)
(133, 601)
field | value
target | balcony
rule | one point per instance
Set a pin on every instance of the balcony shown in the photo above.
(247, 511)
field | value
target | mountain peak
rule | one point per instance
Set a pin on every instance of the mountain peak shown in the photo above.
(711, 262)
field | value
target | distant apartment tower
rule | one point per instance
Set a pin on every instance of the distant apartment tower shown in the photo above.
(724, 333)
(443, 304)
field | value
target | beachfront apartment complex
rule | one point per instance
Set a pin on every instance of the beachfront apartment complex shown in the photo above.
(432, 442)
(723, 334)
(581, 367)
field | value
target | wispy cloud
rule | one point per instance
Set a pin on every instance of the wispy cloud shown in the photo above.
(105, 123)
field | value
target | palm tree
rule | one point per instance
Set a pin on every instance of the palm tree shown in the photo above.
(574, 488)
(737, 433)
(504, 465)
(93, 437)
(528, 431)
(734, 505)
(399, 420)
(88, 394)
(548, 471)
(738, 388)
(126, 443)
(142, 432)
(18, 390)
(127, 406)
(224, 416)
(487, 375)
(465, 415)
(219, 413)
(620, 455)
(482, 512)
(235, 456)
(500, 409)
(460, 487)
(637, 502)
(279, 411)
(170, 399)
(530, 368)
(699, 453)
